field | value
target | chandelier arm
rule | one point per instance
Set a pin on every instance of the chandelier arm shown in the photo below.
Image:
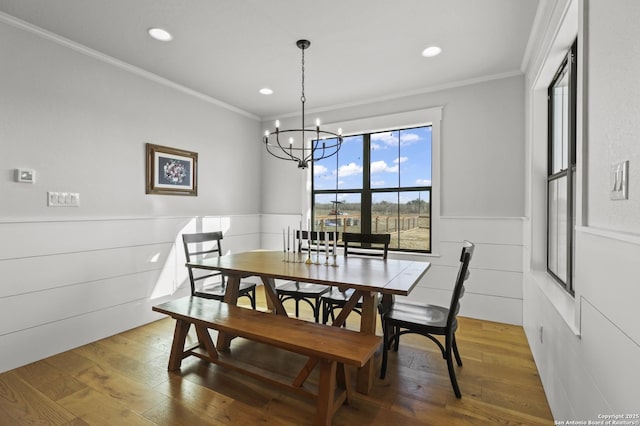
(278, 156)
(290, 154)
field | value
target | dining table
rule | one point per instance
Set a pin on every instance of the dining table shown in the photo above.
(368, 277)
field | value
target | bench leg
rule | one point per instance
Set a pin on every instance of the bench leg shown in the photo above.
(326, 392)
(204, 338)
(344, 382)
(177, 347)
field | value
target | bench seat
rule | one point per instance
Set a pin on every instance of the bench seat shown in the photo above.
(331, 347)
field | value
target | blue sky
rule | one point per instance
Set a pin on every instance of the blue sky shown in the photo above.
(398, 158)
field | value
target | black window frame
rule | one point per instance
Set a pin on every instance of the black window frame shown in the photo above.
(569, 67)
(366, 192)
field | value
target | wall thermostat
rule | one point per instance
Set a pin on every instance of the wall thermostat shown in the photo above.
(25, 175)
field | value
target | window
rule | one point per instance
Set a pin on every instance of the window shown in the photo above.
(378, 183)
(561, 172)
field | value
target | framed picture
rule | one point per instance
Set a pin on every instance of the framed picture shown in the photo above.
(171, 171)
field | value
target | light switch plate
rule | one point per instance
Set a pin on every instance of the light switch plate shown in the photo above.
(619, 182)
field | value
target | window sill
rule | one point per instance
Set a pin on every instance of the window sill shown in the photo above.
(562, 301)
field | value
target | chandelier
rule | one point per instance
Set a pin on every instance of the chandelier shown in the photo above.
(321, 144)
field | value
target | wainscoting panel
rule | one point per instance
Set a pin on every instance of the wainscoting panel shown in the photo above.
(68, 282)
(494, 289)
(28, 239)
(32, 274)
(73, 300)
(274, 224)
(26, 346)
(588, 360)
(481, 281)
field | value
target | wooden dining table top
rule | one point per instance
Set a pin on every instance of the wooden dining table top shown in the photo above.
(388, 276)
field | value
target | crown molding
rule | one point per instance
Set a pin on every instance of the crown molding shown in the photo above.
(430, 89)
(48, 35)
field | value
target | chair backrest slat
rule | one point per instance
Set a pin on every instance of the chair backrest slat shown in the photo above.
(463, 274)
(376, 245)
(190, 243)
(315, 237)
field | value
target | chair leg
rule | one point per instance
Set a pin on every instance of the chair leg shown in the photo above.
(396, 341)
(253, 299)
(450, 367)
(316, 310)
(385, 349)
(455, 350)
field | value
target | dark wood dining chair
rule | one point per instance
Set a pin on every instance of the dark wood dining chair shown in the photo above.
(208, 284)
(428, 320)
(308, 293)
(355, 244)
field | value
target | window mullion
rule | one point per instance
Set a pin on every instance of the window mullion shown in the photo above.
(365, 198)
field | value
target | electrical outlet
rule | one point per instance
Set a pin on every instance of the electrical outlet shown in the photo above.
(540, 332)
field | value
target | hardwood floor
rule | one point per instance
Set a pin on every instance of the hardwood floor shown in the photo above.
(123, 380)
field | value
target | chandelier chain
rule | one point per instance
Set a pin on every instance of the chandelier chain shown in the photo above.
(303, 97)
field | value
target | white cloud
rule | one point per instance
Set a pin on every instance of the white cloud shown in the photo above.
(390, 139)
(382, 166)
(319, 169)
(377, 183)
(423, 182)
(400, 160)
(386, 138)
(408, 138)
(349, 170)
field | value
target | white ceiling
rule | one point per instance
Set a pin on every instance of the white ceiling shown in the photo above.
(361, 50)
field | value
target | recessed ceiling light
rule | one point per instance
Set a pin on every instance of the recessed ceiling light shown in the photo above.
(431, 51)
(160, 34)
(266, 91)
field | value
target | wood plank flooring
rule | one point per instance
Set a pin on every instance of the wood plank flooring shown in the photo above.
(123, 380)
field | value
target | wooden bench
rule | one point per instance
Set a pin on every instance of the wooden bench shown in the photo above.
(332, 347)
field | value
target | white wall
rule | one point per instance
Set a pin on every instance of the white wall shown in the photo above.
(482, 152)
(81, 121)
(590, 346)
(482, 148)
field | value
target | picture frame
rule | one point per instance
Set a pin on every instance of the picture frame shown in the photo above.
(171, 171)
